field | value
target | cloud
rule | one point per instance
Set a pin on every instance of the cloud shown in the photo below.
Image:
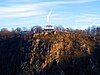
(20, 11)
(17, 9)
(21, 15)
(43, 2)
(83, 21)
(32, 9)
(79, 1)
(64, 2)
(88, 18)
(48, 16)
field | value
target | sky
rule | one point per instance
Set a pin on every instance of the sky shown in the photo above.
(76, 14)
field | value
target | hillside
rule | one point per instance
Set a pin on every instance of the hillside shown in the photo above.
(58, 47)
(54, 53)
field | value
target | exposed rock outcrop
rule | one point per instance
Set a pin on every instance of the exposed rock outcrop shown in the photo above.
(59, 50)
(60, 53)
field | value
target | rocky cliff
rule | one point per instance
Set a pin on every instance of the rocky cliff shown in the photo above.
(59, 53)
(54, 53)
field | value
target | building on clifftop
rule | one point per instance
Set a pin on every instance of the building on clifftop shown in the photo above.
(48, 28)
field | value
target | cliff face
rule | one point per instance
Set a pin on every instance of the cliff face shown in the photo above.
(60, 53)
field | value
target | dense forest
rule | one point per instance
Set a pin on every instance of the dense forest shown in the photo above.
(63, 51)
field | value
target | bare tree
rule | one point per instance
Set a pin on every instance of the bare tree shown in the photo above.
(18, 29)
(36, 29)
(59, 28)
